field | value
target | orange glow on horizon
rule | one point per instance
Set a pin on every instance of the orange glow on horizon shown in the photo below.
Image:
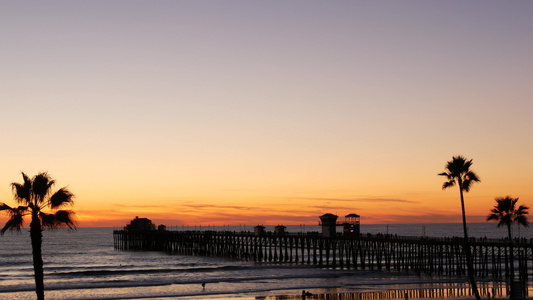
(399, 212)
(308, 220)
(288, 206)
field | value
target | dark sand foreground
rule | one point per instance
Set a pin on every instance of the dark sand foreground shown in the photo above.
(424, 289)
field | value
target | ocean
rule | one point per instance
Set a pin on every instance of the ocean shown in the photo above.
(83, 264)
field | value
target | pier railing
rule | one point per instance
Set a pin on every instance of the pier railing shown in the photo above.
(422, 255)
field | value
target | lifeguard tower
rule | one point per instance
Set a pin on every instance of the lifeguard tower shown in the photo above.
(351, 225)
(280, 230)
(259, 230)
(329, 224)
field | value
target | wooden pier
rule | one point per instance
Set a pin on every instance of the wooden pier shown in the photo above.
(424, 256)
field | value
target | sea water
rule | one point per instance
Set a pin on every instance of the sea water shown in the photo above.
(83, 264)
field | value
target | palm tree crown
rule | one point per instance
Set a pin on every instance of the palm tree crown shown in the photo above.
(458, 172)
(33, 195)
(506, 212)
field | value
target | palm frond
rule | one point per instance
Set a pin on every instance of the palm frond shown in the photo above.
(47, 220)
(466, 185)
(15, 222)
(4, 206)
(65, 218)
(62, 218)
(41, 186)
(447, 175)
(468, 178)
(493, 217)
(448, 184)
(21, 210)
(521, 216)
(22, 192)
(522, 221)
(472, 176)
(13, 210)
(522, 210)
(466, 163)
(60, 198)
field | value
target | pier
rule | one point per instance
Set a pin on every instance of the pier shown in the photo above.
(349, 250)
(423, 256)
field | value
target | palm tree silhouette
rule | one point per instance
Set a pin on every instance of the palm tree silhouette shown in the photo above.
(34, 195)
(457, 172)
(506, 213)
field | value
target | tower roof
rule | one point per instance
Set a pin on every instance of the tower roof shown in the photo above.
(352, 216)
(328, 216)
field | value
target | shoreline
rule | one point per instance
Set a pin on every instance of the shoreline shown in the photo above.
(368, 285)
(423, 288)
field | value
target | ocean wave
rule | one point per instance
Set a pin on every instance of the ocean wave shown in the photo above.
(127, 270)
(259, 285)
(256, 281)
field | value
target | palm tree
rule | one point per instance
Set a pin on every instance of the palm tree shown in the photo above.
(457, 172)
(33, 196)
(506, 213)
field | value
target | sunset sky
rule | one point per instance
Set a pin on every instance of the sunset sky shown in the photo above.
(267, 112)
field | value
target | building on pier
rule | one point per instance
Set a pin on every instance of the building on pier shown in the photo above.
(329, 225)
(259, 230)
(140, 225)
(279, 230)
(351, 225)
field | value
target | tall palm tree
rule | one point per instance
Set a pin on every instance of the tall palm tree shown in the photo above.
(457, 172)
(506, 213)
(34, 196)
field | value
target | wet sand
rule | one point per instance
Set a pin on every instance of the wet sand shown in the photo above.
(425, 288)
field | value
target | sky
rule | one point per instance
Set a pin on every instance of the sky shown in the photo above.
(267, 112)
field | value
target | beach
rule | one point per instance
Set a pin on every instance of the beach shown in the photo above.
(366, 285)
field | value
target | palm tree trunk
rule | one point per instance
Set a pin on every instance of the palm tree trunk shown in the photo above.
(469, 264)
(36, 243)
(511, 265)
(511, 252)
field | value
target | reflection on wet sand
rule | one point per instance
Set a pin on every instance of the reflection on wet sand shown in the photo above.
(444, 291)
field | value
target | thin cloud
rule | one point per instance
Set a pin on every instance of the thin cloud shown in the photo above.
(417, 218)
(337, 208)
(374, 200)
(140, 206)
(214, 206)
